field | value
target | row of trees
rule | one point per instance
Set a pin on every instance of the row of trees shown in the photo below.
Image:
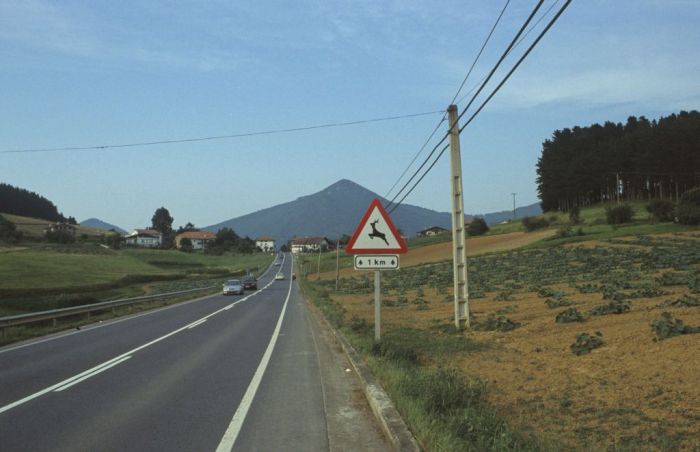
(18, 201)
(639, 160)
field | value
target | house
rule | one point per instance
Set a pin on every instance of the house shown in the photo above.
(144, 237)
(431, 231)
(61, 227)
(265, 243)
(199, 239)
(308, 244)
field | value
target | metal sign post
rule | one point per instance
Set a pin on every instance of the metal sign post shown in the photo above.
(377, 307)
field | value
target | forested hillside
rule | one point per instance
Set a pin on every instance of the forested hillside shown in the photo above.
(645, 159)
(18, 201)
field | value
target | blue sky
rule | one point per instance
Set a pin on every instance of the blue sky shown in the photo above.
(84, 73)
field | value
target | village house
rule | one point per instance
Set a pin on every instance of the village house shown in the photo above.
(265, 243)
(61, 227)
(431, 231)
(308, 244)
(149, 238)
(199, 239)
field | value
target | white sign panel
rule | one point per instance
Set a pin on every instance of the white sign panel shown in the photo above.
(376, 262)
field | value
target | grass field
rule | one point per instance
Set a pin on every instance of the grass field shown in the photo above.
(35, 227)
(39, 276)
(570, 346)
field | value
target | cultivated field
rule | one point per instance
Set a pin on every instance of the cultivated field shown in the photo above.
(629, 383)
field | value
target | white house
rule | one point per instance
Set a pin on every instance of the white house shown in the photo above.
(431, 231)
(308, 244)
(199, 239)
(265, 243)
(144, 237)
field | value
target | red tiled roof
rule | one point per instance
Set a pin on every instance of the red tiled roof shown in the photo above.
(265, 238)
(198, 235)
(148, 232)
(308, 240)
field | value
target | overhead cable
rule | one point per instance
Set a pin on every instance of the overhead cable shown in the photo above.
(222, 137)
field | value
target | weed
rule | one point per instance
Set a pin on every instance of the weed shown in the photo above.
(669, 327)
(584, 343)
(500, 323)
(557, 303)
(686, 301)
(570, 315)
(614, 307)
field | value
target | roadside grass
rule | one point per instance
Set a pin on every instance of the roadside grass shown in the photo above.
(35, 227)
(25, 332)
(445, 410)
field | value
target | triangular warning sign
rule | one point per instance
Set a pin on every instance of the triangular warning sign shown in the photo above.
(376, 234)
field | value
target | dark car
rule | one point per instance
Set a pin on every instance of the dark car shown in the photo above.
(250, 283)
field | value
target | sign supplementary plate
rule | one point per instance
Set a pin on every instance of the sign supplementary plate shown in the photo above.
(376, 234)
(376, 262)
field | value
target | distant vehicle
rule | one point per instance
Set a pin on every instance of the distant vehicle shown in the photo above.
(294, 276)
(278, 264)
(279, 276)
(233, 286)
(250, 283)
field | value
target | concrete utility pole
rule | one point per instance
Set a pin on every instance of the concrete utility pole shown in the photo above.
(337, 264)
(459, 254)
(513, 205)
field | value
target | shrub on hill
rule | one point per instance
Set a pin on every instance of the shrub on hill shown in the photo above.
(477, 227)
(661, 209)
(533, 223)
(8, 231)
(618, 214)
(688, 209)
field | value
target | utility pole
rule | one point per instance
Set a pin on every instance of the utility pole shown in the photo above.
(318, 269)
(337, 263)
(459, 255)
(513, 205)
(617, 186)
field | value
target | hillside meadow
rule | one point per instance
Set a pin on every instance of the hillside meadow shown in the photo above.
(575, 342)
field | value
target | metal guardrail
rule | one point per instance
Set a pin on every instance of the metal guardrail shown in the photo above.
(23, 319)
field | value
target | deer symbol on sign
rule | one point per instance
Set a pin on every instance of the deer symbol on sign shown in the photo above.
(376, 233)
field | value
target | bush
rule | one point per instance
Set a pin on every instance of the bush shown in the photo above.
(585, 343)
(60, 237)
(575, 215)
(618, 214)
(8, 230)
(661, 209)
(186, 245)
(570, 315)
(477, 227)
(669, 327)
(533, 223)
(688, 209)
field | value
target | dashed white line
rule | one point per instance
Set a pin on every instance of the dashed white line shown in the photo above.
(92, 374)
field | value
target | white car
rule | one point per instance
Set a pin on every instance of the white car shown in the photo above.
(233, 286)
(279, 276)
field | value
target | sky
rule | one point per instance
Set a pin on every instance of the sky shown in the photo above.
(95, 73)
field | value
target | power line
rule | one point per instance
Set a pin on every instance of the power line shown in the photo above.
(517, 64)
(444, 117)
(483, 84)
(222, 137)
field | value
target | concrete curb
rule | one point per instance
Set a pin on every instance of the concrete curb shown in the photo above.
(384, 410)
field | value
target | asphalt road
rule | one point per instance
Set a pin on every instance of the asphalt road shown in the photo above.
(218, 373)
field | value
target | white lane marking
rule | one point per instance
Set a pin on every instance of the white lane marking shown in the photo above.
(195, 324)
(234, 428)
(85, 377)
(118, 320)
(123, 355)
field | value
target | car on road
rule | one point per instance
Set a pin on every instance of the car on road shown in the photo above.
(279, 276)
(250, 283)
(277, 264)
(233, 286)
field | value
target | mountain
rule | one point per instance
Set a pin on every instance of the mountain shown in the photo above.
(99, 224)
(331, 212)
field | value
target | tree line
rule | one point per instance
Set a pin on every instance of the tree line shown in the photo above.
(638, 160)
(25, 203)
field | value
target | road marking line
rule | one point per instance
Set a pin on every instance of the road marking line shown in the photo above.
(127, 354)
(234, 428)
(195, 324)
(85, 377)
